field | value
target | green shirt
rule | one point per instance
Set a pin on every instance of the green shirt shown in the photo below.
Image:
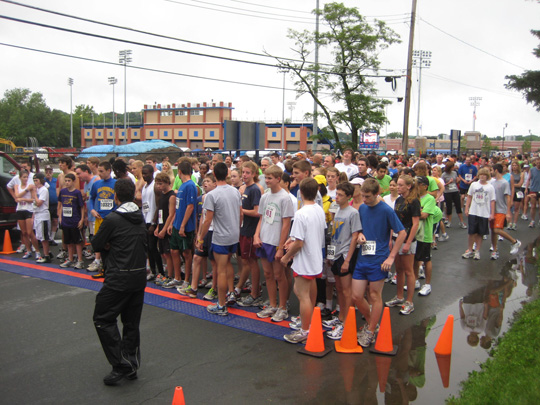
(178, 183)
(384, 183)
(425, 226)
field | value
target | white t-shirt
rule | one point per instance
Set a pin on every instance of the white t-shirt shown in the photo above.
(41, 213)
(308, 226)
(482, 195)
(16, 180)
(388, 200)
(273, 207)
(148, 202)
(350, 169)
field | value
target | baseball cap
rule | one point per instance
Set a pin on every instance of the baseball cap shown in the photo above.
(48, 167)
(320, 179)
(357, 180)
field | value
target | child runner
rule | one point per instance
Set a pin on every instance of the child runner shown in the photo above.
(305, 246)
(375, 259)
(71, 212)
(42, 217)
(166, 213)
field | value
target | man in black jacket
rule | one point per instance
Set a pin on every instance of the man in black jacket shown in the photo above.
(122, 241)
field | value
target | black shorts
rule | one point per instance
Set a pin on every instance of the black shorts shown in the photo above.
(336, 266)
(163, 245)
(423, 252)
(207, 242)
(23, 215)
(463, 190)
(72, 236)
(516, 198)
(478, 225)
(53, 210)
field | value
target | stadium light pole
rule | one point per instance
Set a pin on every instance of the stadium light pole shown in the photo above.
(421, 59)
(125, 58)
(475, 102)
(70, 84)
(504, 128)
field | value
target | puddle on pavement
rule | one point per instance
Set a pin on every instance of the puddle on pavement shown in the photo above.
(413, 374)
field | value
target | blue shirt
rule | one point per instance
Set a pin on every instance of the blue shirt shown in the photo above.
(378, 222)
(464, 171)
(187, 195)
(53, 198)
(102, 197)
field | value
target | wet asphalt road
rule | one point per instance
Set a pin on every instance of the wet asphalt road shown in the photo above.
(49, 351)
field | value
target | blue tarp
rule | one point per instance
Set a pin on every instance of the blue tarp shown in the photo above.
(132, 149)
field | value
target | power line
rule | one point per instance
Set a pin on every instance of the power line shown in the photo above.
(470, 45)
(163, 47)
(271, 7)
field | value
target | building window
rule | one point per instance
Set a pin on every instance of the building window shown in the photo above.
(88, 133)
(135, 133)
(166, 113)
(293, 134)
(165, 133)
(195, 133)
(180, 112)
(212, 133)
(123, 133)
(99, 133)
(196, 112)
(180, 134)
(151, 133)
(274, 134)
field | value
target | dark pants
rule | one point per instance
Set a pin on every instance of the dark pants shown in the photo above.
(154, 257)
(122, 352)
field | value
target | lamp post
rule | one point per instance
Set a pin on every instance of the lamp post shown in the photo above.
(125, 58)
(421, 59)
(113, 81)
(475, 102)
(70, 84)
(291, 105)
(505, 126)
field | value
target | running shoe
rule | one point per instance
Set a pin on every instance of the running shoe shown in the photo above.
(407, 308)
(210, 295)
(150, 277)
(172, 284)
(209, 284)
(67, 263)
(336, 332)
(249, 301)
(62, 255)
(524, 217)
(425, 290)
(444, 237)
(494, 255)
(514, 249)
(296, 323)
(509, 227)
(94, 266)
(163, 280)
(462, 225)
(232, 297)
(79, 265)
(389, 277)
(477, 255)
(187, 292)
(267, 312)
(100, 274)
(394, 302)
(202, 284)
(27, 255)
(21, 249)
(326, 313)
(280, 315)
(394, 279)
(531, 224)
(366, 338)
(421, 272)
(184, 286)
(43, 259)
(448, 225)
(416, 285)
(500, 238)
(216, 309)
(468, 254)
(330, 323)
(484, 237)
(298, 336)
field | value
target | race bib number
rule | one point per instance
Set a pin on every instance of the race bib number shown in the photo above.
(479, 197)
(331, 252)
(468, 177)
(369, 248)
(67, 212)
(160, 217)
(269, 214)
(177, 202)
(106, 205)
(145, 207)
(519, 194)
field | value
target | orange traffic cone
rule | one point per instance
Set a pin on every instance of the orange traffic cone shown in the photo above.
(8, 248)
(349, 341)
(443, 361)
(384, 343)
(178, 398)
(383, 368)
(315, 341)
(444, 344)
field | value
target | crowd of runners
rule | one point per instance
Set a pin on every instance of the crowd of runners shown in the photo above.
(332, 229)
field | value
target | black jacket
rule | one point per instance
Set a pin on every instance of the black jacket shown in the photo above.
(121, 239)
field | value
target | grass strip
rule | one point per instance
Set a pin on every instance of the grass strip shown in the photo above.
(510, 375)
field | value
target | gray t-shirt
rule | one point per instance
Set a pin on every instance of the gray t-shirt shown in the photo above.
(273, 207)
(502, 189)
(450, 187)
(345, 223)
(225, 202)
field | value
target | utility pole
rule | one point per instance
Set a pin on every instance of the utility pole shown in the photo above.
(70, 84)
(421, 59)
(316, 84)
(405, 144)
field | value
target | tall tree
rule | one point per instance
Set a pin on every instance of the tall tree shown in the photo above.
(528, 83)
(355, 45)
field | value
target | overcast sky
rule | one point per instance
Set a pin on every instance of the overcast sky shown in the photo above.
(474, 44)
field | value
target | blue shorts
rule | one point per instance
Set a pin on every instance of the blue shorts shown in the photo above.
(224, 250)
(267, 252)
(369, 272)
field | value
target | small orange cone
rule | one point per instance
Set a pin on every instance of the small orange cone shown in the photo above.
(383, 368)
(384, 343)
(443, 361)
(8, 248)
(315, 341)
(178, 397)
(444, 344)
(349, 341)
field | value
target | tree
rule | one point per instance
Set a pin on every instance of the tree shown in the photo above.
(394, 135)
(528, 83)
(355, 45)
(526, 146)
(486, 146)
